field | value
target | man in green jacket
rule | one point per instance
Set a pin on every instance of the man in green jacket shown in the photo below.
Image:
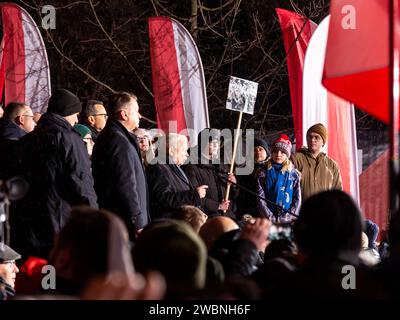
(318, 171)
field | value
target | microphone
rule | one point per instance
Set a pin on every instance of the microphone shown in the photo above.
(220, 173)
(13, 189)
(279, 211)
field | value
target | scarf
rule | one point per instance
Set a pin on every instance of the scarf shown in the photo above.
(279, 187)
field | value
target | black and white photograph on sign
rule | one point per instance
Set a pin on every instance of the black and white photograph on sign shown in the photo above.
(241, 95)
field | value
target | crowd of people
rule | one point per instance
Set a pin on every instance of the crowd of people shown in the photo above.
(117, 223)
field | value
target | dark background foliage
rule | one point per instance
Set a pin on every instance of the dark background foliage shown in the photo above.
(102, 46)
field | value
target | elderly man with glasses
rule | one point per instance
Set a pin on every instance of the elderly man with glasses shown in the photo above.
(17, 122)
(8, 271)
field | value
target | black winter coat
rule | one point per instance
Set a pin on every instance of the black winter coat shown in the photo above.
(214, 176)
(247, 202)
(119, 177)
(10, 133)
(9, 130)
(55, 163)
(169, 190)
(8, 157)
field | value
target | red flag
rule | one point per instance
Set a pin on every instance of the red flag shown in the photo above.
(2, 68)
(376, 177)
(357, 57)
(297, 32)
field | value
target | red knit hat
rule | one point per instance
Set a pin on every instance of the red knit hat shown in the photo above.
(283, 144)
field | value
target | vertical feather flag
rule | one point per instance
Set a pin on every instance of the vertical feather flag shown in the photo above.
(357, 55)
(297, 32)
(178, 77)
(311, 103)
(336, 114)
(24, 64)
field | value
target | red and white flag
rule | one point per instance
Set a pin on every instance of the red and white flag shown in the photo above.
(321, 106)
(357, 55)
(24, 65)
(311, 103)
(178, 78)
(297, 32)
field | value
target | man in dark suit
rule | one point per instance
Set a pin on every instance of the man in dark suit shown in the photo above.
(119, 177)
(169, 186)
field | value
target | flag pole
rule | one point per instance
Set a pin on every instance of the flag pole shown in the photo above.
(228, 188)
(394, 108)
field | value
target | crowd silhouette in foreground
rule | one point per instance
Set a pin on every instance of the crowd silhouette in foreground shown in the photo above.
(113, 223)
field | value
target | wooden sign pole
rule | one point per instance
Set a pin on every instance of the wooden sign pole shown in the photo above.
(228, 188)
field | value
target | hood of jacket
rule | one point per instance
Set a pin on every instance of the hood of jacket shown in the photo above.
(9, 130)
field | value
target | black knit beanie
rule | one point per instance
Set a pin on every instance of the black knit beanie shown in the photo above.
(258, 142)
(64, 103)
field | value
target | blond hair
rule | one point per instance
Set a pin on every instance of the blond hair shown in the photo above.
(287, 165)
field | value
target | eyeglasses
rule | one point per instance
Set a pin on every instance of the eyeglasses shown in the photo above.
(89, 139)
(100, 114)
(10, 264)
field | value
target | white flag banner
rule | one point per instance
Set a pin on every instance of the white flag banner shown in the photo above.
(321, 106)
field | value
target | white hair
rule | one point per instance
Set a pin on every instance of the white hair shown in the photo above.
(174, 140)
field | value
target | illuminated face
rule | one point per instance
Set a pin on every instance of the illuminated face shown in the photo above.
(8, 271)
(89, 143)
(213, 148)
(99, 117)
(278, 156)
(144, 143)
(26, 121)
(72, 119)
(179, 152)
(314, 142)
(134, 114)
(259, 154)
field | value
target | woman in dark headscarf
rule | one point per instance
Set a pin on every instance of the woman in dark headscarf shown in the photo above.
(85, 133)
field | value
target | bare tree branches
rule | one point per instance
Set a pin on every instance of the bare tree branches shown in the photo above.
(77, 66)
(107, 42)
(118, 49)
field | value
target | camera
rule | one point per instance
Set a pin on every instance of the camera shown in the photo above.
(280, 231)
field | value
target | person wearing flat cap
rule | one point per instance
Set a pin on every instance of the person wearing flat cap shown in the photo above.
(318, 171)
(8, 271)
(56, 165)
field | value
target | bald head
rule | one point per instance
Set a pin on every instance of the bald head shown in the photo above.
(214, 228)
